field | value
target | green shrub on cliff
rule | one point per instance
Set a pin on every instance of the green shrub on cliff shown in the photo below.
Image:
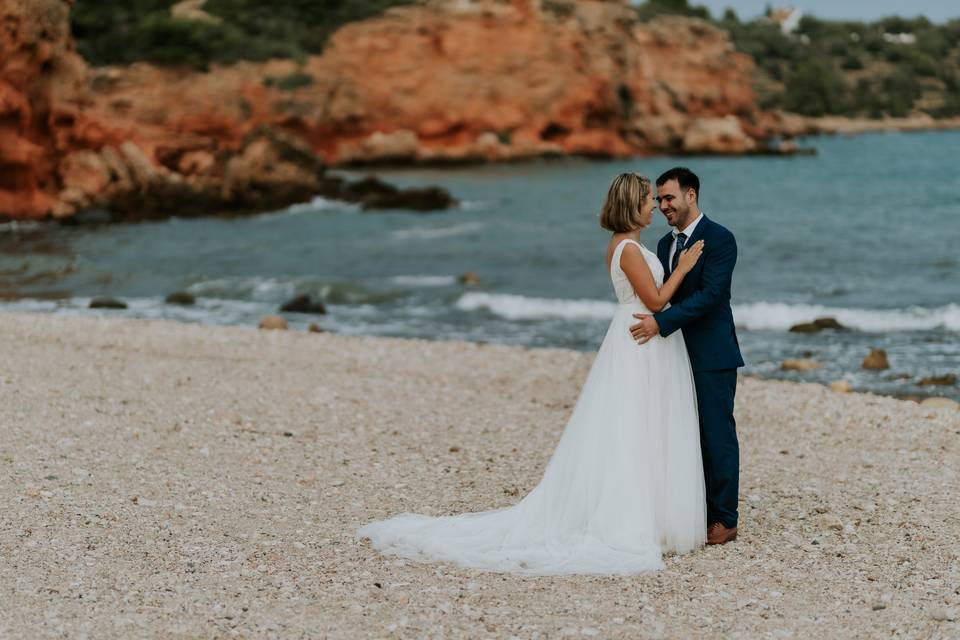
(127, 31)
(653, 8)
(853, 68)
(816, 88)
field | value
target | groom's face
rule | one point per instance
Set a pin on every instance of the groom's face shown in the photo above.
(673, 203)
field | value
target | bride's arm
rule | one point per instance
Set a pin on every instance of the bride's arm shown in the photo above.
(640, 277)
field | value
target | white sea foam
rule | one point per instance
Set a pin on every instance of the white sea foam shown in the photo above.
(514, 307)
(19, 225)
(423, 281)
(318, 203)
(429, 233)
(781, 316)
(472, 205)
(205, 311)
(774, 316)
(257, 289)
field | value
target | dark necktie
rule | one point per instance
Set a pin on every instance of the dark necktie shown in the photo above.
(681, 240)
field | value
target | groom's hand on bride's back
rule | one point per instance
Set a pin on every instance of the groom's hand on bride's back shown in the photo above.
(644, 330)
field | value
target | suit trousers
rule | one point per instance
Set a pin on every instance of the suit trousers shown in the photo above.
(718, 443)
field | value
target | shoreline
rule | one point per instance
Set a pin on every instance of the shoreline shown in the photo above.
(938, 394)
(788, 128)
(173, 479)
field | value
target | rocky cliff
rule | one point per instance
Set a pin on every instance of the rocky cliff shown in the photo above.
(454, 81)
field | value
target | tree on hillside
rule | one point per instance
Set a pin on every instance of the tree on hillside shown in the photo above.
(653, 8)
(125, 31)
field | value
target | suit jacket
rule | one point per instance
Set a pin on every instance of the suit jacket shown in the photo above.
(701, 305)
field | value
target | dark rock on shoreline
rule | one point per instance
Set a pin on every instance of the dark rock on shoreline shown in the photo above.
(303, 304)
(182, 298)
(828, 323)
(107, 303)
(817, 325)
(945, 380)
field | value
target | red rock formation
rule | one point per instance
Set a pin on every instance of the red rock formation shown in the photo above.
(40, 76)
(446, 81)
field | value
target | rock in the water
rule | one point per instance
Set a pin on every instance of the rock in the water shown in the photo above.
(801, 364)
(841, 386)
(373, 193)
(273, 322)
(107, 303)
(303, 304)
(940, 403)
(805, 327)
(828, 323)
(469, 278)
(876, 360)
(945, 380)
(181, 298)
(315, 328)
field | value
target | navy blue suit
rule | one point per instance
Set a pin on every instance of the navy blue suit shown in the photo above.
(701, 309)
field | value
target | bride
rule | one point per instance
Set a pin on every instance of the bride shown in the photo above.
(625, 484)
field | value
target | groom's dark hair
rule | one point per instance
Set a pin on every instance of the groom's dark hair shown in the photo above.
(685, 178)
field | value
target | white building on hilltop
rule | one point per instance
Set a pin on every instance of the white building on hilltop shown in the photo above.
(787, 17)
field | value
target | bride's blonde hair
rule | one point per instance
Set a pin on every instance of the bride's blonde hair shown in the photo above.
(621, 211)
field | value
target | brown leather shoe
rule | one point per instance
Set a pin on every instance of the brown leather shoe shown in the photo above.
(719, 534)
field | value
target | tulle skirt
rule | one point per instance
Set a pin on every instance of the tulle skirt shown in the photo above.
(624, 486)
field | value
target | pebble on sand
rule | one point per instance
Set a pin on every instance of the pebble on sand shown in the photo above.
(273, 322)
(940, 403)
(841, 386)
(801, 364)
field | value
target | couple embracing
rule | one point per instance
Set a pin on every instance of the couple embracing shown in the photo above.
(649, 462)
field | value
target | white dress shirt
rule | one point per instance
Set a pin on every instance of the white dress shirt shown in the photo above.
(687, 232)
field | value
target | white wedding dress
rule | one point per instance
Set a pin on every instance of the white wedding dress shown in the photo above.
(624, 486)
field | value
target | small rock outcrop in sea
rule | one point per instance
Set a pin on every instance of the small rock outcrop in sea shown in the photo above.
(303, 304)
(313, 327)
(107, 303)
(946, 380)
(829, 323)
(374, 193)
(470, 278)
(817, 325)
(273, 322)
(181, 298)
(876, 360)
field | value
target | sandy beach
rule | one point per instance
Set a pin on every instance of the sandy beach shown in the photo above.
(165, 480)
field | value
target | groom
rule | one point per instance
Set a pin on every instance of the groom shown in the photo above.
(701, 308)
